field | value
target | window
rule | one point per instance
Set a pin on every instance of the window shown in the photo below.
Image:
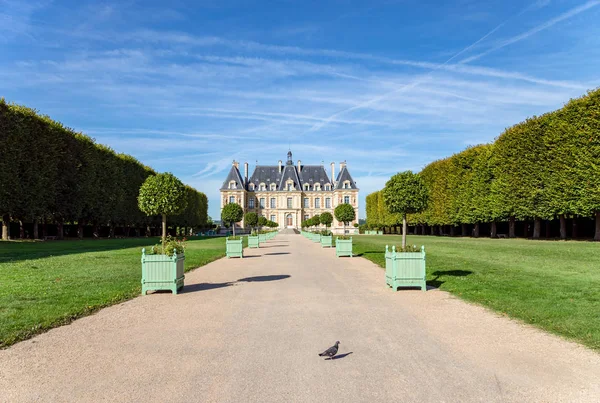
(306, 202)
(231, 199)
(262, 202)
(328, 203)
(273, 218)
(262, 187)
(317, 203)
(251, 202)
(251, 186)
(305, 217)
(327, 186)
(347, 199)
(317, 186)
(306, 186)
(232, 185)
(346, 185)
(289, 202)
(272, 202)
(273, 186)
(288, 186)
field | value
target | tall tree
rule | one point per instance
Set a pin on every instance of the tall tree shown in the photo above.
(344, 213)
(405, 193)
(231, 214)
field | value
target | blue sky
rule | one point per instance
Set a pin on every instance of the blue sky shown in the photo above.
(187, 87)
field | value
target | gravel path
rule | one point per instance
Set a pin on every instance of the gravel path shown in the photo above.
(249, 330)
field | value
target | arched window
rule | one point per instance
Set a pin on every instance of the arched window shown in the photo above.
(262, 187)
(289, 185)
(346, 185)
(273, 186)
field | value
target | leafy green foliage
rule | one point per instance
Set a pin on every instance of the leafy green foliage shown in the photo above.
(344, 213)
(232, 213)
(251, 219)
(405, 193)
(262, 221)
(162, 194)
(169, 246)
(326, 219)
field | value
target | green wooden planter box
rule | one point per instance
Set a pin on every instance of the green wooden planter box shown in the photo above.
(253, 241)
(316, 238)
(234, 248)
(343, 247)
(262, 237)
(162, 272)
(405, 269)
(326, 241)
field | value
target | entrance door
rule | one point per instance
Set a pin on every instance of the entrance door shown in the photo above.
(289, 221)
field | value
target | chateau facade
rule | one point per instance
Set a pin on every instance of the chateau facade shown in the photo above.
(289, 194)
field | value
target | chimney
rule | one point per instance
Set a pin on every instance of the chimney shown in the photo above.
(332, 172)
(342, 165)
(236, 164)
(280, 162)
(299, 165)
(246, 171)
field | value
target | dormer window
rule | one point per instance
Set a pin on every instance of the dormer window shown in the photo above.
(232, 185)
(273, 186)
(289, 186)
(327, 186)
(346, 185)
(262, 187)
(251, 186)
(306, 187)
(317, 186)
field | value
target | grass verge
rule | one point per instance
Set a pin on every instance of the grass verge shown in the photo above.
(552, 285)
(48, 284)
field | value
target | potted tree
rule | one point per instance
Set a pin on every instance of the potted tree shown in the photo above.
(262, 222)
(405, 193)
(251, 219)
(163, 268)
(233, 213)
(326, 237)
(343, 244)
(316, 221)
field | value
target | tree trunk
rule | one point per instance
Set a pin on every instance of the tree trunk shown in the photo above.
(463, 229)
(494, 231)
(432, 230)
(233, 229)
(21, 230)
(574, 232)
(476, 230)
(148, 231)
(36, 231)
(511, 227)
(164, 227)
(5, 227)
(563, 226)
(537, 228)
(79, 229)
(404, 228)
(548, 229)
(597, 234)
(111, 230)
(452, 230)
(60, 229)
(44, 230)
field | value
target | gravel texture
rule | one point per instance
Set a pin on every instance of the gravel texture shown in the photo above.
(249, 330)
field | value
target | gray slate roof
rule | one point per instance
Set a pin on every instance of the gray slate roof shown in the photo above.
(343, 176)
(234, 175)
(310, 174)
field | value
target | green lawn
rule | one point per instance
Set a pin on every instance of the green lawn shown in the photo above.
(47, 284)
(550, 284)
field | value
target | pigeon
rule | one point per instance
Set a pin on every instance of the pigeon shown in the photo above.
(331, 351)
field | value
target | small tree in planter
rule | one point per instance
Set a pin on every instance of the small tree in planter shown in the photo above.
(405, 193)
(345, 213)
(231, 214)
(262, 221)
(326, 219)
(162, 195)
(251, 219)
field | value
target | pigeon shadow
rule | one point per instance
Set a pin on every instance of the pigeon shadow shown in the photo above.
(265, 278)
(340, 356)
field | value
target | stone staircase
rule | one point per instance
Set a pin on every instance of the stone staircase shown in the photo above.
(289, 231)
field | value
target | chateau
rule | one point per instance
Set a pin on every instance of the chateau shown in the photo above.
(289, 194)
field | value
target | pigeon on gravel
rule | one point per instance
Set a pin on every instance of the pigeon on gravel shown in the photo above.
(331, 351)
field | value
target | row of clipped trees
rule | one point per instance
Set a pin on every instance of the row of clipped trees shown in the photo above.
(539, 175)
(54, 176)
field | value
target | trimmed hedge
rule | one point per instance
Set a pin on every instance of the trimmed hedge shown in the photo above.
(542, 169)
(49, 173)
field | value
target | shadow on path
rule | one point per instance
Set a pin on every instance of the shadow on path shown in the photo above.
(338, 357)
(277, 253)
(436, 282)
(212, 286)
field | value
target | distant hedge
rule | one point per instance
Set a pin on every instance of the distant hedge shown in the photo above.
(53, 175)
(543, 169)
